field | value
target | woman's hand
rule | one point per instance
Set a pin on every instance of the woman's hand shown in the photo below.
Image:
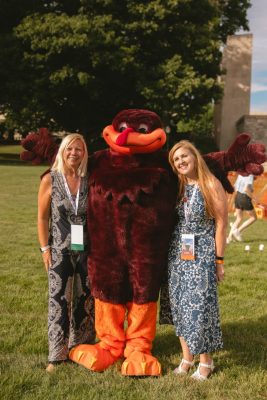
(220, 272)
(47, 259)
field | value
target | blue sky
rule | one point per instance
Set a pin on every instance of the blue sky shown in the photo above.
(257, 16)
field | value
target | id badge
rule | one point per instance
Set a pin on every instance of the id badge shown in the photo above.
(77, 237)
(188, 246)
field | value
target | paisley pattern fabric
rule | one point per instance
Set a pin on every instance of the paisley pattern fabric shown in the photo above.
(71, 306)
(192, 283)
(63, 215)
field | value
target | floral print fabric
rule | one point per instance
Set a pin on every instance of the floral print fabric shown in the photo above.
(192, 283)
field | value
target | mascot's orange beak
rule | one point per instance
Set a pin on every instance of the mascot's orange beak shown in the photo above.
(130, 142)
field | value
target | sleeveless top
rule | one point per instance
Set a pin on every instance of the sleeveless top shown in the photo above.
(63, 214)
(242, 182)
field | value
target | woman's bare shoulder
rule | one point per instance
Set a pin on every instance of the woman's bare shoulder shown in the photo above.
(46, 181)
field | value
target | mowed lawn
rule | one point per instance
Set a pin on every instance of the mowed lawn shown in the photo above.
(241, 366)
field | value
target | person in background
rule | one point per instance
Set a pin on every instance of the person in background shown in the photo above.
(196, 259)
(62, 204)
(243, 202)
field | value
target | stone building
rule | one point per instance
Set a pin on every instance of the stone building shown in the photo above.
(254, 124)
(232, 115)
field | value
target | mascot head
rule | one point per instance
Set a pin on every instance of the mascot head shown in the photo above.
(135, 131)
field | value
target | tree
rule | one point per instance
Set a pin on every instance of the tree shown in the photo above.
(75, 64)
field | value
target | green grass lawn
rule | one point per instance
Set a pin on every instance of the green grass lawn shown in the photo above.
(241, 366)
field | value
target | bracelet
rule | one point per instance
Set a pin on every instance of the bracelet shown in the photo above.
(219, 258)
(45, 248)
(219, 262)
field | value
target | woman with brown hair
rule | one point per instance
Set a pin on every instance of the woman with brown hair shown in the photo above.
(196, 259)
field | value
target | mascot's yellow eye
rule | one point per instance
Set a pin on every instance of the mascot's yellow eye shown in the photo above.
(143, 128)
(122, 126)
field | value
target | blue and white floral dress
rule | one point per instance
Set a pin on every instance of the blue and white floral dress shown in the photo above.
(192, 283)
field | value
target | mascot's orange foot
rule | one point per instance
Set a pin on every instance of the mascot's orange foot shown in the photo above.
(141, 364)
(92, 357)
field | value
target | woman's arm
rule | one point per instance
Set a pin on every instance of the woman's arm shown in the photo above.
(221, 221)
(44, 201)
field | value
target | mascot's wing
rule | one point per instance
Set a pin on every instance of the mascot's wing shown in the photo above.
(39, 147)
(242, 157)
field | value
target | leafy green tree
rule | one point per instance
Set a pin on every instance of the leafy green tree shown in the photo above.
(74, 64)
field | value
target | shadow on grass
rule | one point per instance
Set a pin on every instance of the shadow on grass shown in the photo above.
(14, 159)
(245, 344)
(10, 159)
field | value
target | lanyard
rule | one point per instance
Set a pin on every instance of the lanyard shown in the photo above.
(188, 205)
(73, 203)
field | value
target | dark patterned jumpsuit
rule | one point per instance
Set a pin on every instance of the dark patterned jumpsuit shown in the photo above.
(71, 306)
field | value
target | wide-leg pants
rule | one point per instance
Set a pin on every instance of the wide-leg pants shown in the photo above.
(70, 306)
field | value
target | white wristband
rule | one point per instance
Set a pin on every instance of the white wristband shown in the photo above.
(43, 249)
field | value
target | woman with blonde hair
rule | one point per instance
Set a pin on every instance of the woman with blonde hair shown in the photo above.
(62, 204)
(196, 259)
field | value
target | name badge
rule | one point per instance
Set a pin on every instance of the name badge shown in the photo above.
(77, 237)
(188, 246)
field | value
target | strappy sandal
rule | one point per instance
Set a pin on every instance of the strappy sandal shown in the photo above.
(197, 375)
(180, 371)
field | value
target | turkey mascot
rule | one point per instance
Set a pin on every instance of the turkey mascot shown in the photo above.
(131, 199)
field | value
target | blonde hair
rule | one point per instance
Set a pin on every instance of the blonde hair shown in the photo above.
(204, 176)
(59, 164)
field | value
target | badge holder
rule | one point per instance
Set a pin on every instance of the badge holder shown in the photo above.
(188, 246)
(77, 238)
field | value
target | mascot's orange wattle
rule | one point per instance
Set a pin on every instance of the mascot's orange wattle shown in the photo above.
(131, 198)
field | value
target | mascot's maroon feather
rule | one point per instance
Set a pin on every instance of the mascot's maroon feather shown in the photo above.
(39, 147)
(132, 194)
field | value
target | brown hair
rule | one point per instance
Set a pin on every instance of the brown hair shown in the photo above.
(204, 176)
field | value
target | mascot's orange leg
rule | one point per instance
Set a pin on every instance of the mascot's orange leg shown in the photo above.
(109, 323)
(139, 337)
